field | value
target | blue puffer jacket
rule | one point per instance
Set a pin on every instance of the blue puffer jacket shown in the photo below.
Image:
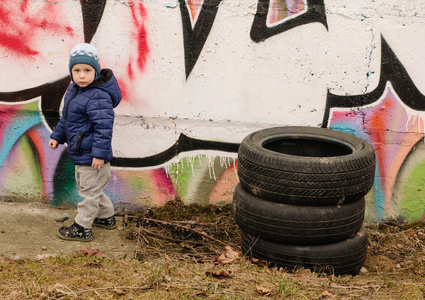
(87, 119)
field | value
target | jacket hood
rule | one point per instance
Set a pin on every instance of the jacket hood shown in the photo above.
(108, 83)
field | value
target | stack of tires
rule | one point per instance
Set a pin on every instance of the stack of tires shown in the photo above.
(300, 201)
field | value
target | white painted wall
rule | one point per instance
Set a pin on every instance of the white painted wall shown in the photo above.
(237, 85)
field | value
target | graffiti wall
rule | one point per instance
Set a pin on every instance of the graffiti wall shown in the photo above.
(197, 76)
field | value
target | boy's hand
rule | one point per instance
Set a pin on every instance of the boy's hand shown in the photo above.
(53, 144)
(97, 163)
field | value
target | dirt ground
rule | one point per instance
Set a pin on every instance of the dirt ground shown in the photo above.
(186, 252)
(29, 230)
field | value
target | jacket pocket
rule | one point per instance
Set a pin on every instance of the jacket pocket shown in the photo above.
(78, 146)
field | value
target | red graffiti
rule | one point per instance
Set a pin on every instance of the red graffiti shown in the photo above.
(19, 25)
(130, 70)
(124, 90)
(194, 6)
(138, 13)
(378, 135)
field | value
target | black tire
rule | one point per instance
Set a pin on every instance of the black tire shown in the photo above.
(297, 225)
(306, 166)
(344, 258)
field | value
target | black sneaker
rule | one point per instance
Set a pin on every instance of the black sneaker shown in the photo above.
(75, 232)
(107, 223)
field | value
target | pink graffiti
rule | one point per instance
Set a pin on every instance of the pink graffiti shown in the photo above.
(46, 160)
(224, 186)
(280, 9)
(391, 132)
(20, 25)
(294, 6)
(163, 183)
(141, 187)
(39, 145)
(7, 114)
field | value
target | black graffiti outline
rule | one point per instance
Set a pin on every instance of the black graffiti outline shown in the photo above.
(183, 144)
(392, 70)
(92, 11)
(260, 31)
(51, 96)
(195, 38)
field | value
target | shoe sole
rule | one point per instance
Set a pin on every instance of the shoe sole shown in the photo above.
(105, 226)
(63, 237)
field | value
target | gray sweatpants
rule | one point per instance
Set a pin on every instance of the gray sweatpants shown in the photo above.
(95, 204)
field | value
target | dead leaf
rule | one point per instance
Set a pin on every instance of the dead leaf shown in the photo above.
(119, 292)
(186, 245)
(221, 274)
(264, 290)
(325, 294)
(229, 256)
(89, 252)
(260, 262)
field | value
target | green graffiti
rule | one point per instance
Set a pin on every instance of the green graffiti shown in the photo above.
(195, 177)
(24, 172)
(181, 174)
(412, 206)
(65, 188)
(137, 183)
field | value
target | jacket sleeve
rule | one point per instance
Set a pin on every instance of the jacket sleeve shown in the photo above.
(101, 115)
(58, 133)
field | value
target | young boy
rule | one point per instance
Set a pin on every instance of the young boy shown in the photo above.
(86, 126)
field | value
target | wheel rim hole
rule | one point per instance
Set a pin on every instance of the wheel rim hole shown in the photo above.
(307, 147)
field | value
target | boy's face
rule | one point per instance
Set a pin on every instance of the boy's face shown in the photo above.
(83, 74)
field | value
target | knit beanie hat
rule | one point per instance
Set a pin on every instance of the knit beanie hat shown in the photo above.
(84, 54)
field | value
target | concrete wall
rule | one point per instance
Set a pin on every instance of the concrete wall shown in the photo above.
(199, 75)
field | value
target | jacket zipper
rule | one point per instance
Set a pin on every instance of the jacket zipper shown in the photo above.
(77, 147)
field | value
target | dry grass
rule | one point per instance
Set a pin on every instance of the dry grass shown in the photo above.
(177, 259)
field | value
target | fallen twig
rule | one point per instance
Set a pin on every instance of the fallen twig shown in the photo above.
(128, 217)
(185, 227)
(147, 287)
(167, 238)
